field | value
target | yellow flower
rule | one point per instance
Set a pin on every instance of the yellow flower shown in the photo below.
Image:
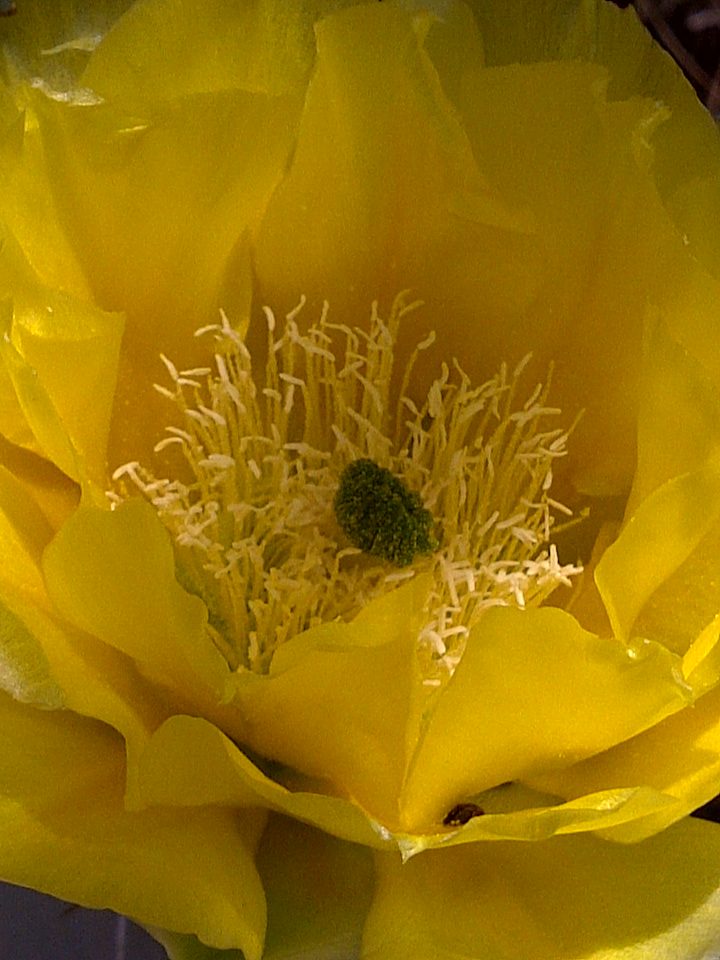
(360, 478)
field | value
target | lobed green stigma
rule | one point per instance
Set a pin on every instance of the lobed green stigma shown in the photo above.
(304, 490)
(380, 516)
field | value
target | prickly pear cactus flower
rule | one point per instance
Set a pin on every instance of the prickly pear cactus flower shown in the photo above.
(360, 478)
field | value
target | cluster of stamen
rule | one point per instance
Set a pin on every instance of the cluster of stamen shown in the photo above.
(254, 522)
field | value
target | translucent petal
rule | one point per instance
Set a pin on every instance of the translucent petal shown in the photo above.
(30, 213)
(533, 691)
(359, 235)
(585, 30)
(73, 350)
(53, 492)
(517, 241)
(49, 434)
(54, 40)
(159, 227)
(65, 832)
(677, 526)
(570, 898)
(168, 48)
(678, 416)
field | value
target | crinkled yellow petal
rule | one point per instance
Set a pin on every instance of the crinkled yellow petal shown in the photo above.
(49, 433)
(14, 273)
(677, 526)
(580, 163)
(64, 831)
(383, 188)
(517, 242)
(570, 898)
(341, 702)
(112, 575)
(47, 663)
(163, 49)
(73, 350)
(160, 227)
(674, 600)
(679, 757)
(318, 892)
(29, 210)
(24, 668)
(678, 417)
(182, 745)
(533, 691)
(24, 534)
(532, 31)
(51, 664)
(53, 40)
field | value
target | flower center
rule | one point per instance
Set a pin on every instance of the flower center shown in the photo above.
(310, 490)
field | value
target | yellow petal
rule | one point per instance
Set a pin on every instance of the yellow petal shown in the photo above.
(112, 575)
(24, 534)
(73, 350)
(668, 546)
(679, 757)
(341, 701)
(48, 431)
(47, 663)
(90, 678)
(162, 49)
(606, 813)
(183, 947)
(159, 227)
(318, 892)
(517, 241)
(52, 491)
(678, 417)
(579, 161)
(168, 777)
(64, 831)
(533, 691)
(30, 212)
(358, 235)
(570, 898)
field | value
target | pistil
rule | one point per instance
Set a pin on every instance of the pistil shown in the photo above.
(315, 486)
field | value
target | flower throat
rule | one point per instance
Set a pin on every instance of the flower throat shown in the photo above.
(310, 491)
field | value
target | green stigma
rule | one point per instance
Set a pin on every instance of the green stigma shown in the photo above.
(378, 514)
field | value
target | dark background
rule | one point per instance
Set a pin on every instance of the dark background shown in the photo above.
(35, 927)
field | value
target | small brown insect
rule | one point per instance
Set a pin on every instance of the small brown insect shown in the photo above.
(461, 814)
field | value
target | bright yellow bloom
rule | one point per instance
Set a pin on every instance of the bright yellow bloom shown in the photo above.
(330, 633)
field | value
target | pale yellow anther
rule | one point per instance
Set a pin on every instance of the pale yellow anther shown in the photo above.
(256, 533)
